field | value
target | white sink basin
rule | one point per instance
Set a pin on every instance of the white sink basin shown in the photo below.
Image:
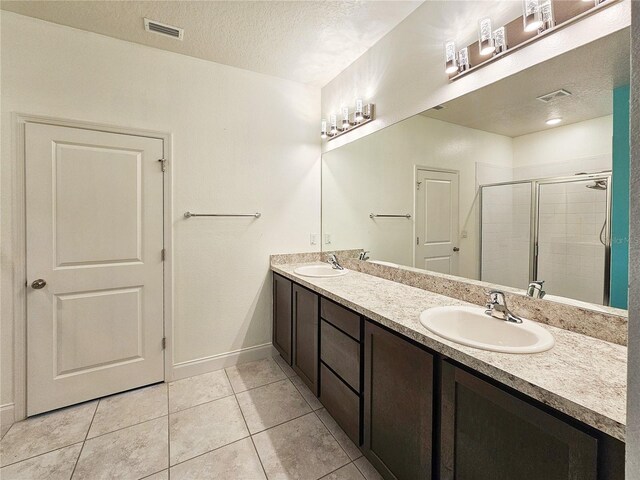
(321, 270)
(471, 326)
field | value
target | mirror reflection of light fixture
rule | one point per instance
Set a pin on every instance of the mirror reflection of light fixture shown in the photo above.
(500, 39)
(553, 121)
(358, 113)
(323, 129)
(463, 59)
(531, 15)
(485, 37)
(345, 118)
(546, 14)
(451, 65)
(334, 124)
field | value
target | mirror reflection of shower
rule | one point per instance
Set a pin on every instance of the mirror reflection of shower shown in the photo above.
(600, 185)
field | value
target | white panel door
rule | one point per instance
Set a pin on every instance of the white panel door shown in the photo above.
(95, 236)
(437, 221)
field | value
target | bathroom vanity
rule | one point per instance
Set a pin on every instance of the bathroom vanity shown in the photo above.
(420, 406)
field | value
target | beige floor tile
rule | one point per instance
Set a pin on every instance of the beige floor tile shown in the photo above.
(254, 374)
(193, 391)
(163, 475)
(204, 428)
(308, 395)
(270, 405)
(133, 452)
(46, 432)
(302, 448)
(348, 472)
(345, 442)
(56, 465)
(236, 461)
(368, 470)
(129, 408)
(288, 371)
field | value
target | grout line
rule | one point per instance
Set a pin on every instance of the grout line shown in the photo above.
(128, 426)
(334, 471)
(85, 440)
(334, 437)
(41, 454)
(154, 473)
(206, 453)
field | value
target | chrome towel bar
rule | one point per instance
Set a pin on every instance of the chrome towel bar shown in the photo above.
(375, 215)
(189, 215)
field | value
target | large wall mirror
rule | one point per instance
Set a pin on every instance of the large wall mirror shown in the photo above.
(523, 180)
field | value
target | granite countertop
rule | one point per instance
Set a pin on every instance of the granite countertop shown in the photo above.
(581, 376)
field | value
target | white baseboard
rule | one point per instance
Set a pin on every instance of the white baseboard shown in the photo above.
(6, 417)
(223, 360)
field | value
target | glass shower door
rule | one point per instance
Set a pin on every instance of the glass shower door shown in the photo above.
(573, 237)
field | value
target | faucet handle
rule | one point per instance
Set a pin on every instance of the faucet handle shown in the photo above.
(496, 297)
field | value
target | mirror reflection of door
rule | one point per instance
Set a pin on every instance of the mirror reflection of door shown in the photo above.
(437, 211)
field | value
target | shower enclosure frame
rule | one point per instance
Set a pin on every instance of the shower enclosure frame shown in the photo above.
(534, 225)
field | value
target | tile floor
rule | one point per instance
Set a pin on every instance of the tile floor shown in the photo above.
(252, 421)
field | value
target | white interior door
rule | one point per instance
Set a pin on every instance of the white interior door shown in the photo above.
(437, 221)
(95, 236)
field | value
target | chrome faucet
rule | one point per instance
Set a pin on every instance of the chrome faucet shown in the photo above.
(333, 261)
(364, 255)
(497, 307)
(535, 289)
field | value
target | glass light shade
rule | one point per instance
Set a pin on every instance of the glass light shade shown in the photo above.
(485, 37)
(358, 114)
(323, 129)
(451, 64)
(333, 120)
(345, 118)
(463, 59)
(546, 14)
(500, 39)
(531, 15)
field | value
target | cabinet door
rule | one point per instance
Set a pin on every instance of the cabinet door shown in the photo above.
(282, 323)
(305, 336)
(488, 434)
(398, 405)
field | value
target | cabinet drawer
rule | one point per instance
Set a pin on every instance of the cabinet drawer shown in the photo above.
(341, 403)
(341, 353)
(344, 319)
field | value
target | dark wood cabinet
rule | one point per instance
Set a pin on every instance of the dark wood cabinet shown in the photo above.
(305, 336)
(282, 320)
(398, 405)
(341, 402)
(489, 434)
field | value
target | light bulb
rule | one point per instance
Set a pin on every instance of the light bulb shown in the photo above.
(531, 15)
(553, 121)
(358, 113)
(485, 37)
(451, 65)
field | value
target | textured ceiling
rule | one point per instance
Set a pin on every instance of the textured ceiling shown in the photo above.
(509, 107)
(305, 41)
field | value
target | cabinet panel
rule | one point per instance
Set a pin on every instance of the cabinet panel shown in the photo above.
(398, 405)
(341, 402)
(341, 353)
(282, 320)
(305, 336)
(488, 434)
(344, 319)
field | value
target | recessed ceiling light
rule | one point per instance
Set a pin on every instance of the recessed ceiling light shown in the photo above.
(554, 121)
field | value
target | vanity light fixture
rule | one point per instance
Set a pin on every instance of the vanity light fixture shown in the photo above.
(345, 119)
(553, 121)
(546, 14)
(463, 59)
(451, 64)
(500, 39)
(486, 43)
(361, 115)
(531, 15)
(323, 129)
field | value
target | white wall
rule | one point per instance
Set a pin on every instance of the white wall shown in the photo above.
(376, 174)
(242, 142)
(403, 74)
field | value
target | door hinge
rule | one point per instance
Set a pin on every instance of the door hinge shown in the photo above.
(163, 164)
(163, 254)
(164, 343)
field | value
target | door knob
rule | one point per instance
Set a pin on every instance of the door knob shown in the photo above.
(456, 249)
(38, 284)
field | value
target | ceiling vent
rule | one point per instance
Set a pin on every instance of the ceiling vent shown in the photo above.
(439, 107)
(163, 29)
(554, 95)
